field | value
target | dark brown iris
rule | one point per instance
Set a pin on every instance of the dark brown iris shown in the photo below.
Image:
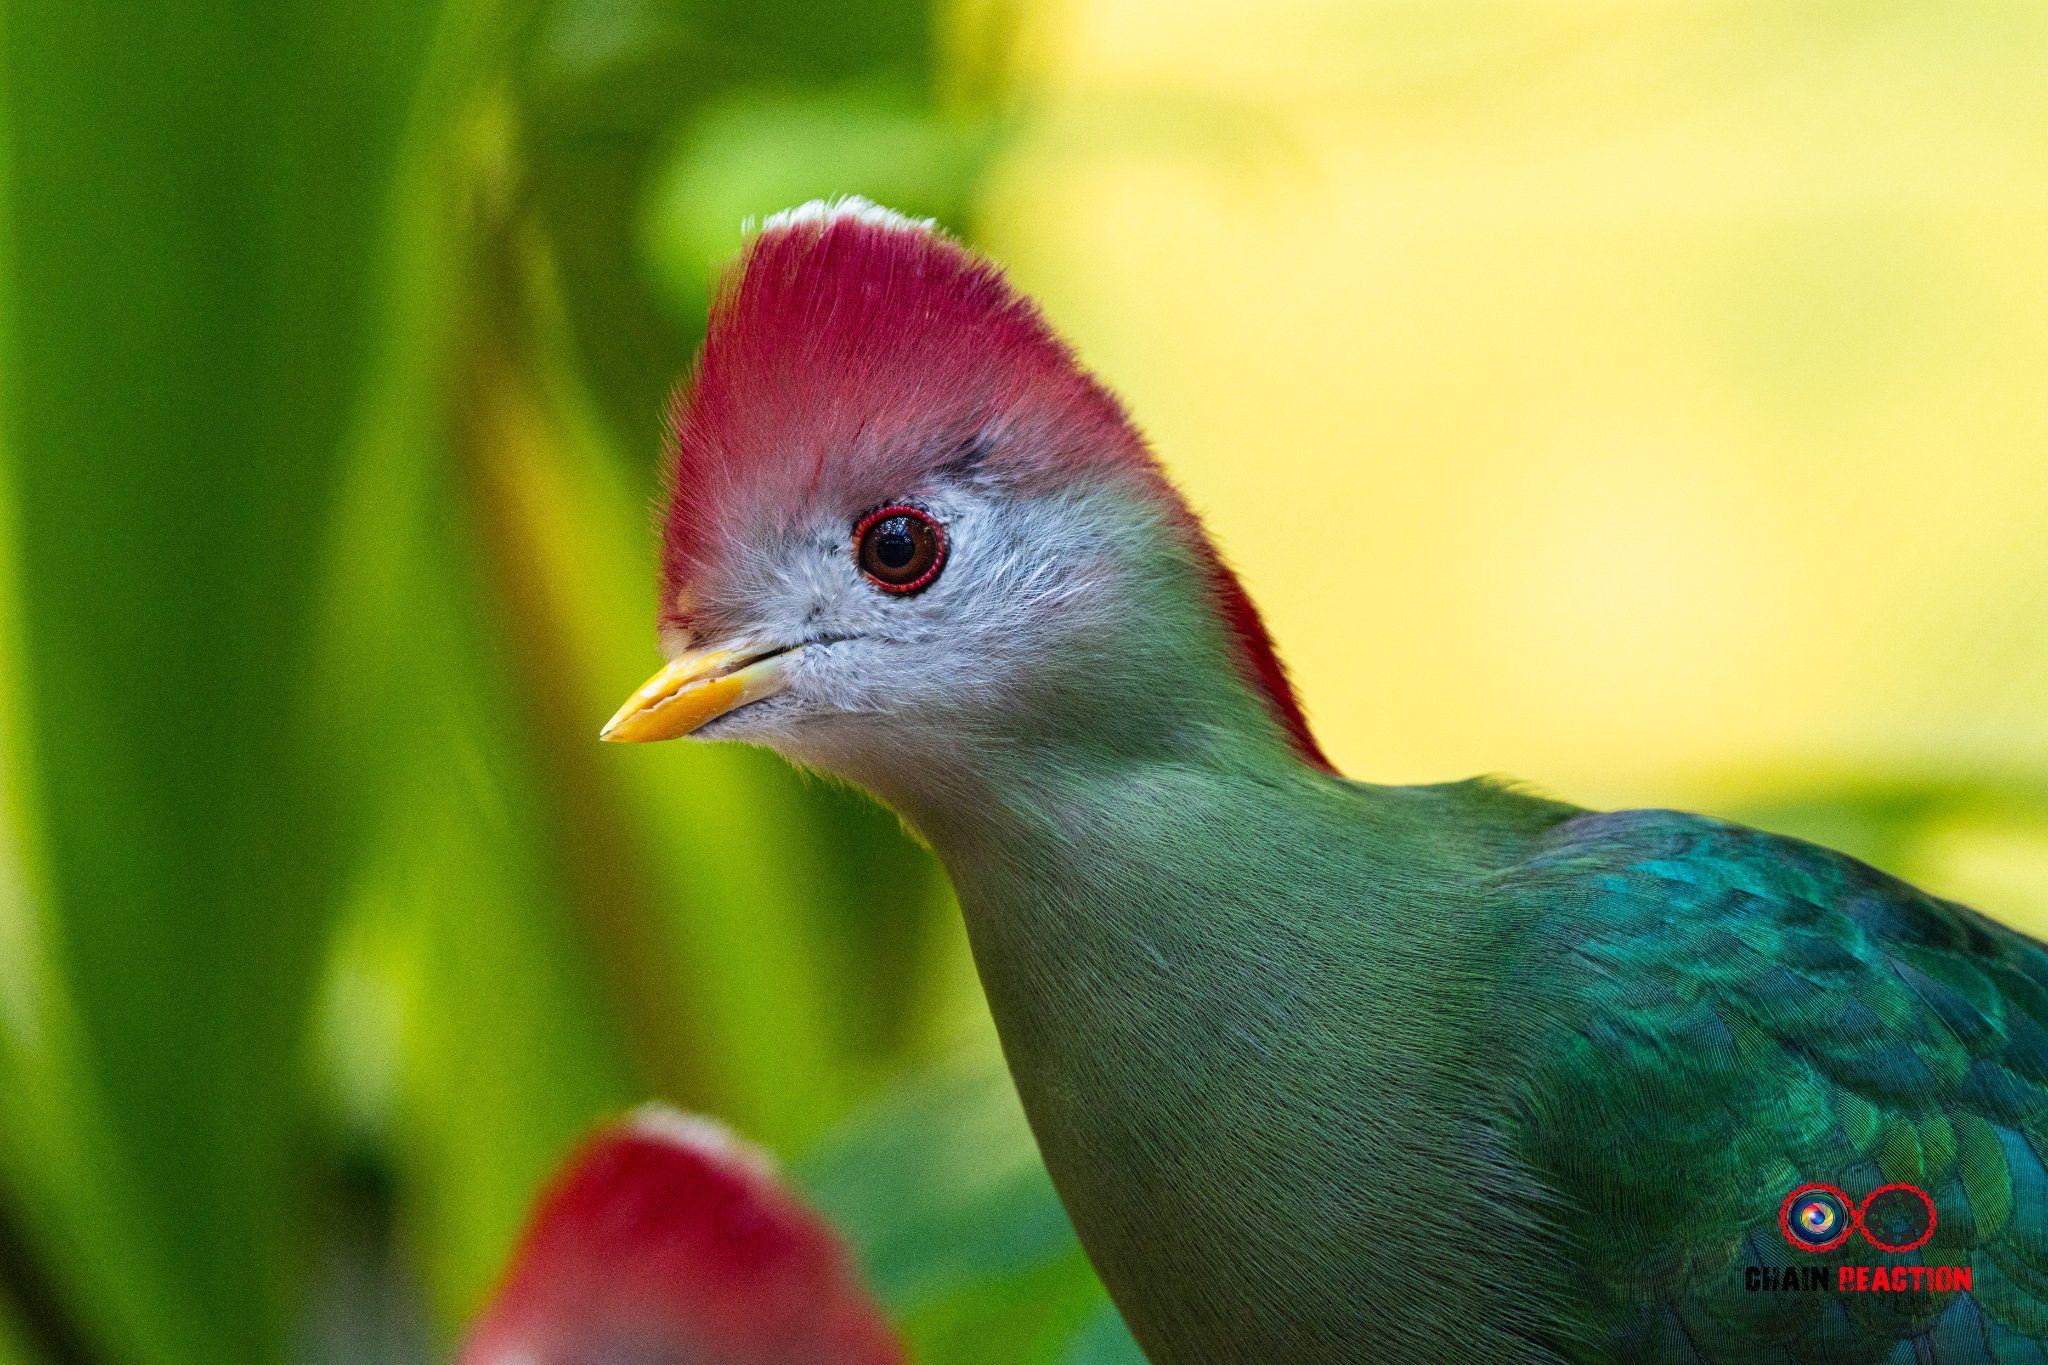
(900, 549)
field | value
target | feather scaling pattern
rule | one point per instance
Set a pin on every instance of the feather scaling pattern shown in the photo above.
(1735, 1014)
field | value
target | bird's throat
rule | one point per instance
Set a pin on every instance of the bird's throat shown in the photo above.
(1154, 949)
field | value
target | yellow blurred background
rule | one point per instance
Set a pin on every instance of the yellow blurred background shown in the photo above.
(1644, 401)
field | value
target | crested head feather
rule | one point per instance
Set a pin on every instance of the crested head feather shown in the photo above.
(667, 1234)
(857, 355)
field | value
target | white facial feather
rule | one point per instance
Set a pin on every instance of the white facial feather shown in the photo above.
(1023, 614)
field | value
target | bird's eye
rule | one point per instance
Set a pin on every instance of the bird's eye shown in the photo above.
(900, 549)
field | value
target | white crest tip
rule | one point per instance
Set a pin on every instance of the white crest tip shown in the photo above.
(695, 1133)
(860, 210)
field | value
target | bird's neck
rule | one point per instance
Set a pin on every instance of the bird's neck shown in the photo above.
(1184, 964)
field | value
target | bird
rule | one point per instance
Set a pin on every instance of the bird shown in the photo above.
(1323, 1070)
(666, 1240)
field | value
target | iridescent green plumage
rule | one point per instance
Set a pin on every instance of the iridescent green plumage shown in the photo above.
(1730, 1015)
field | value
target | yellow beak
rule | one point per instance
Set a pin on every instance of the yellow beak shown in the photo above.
(695, 689)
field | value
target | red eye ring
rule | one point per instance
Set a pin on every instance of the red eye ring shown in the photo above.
(899, 530)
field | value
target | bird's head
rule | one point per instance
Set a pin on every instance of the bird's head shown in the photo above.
(906, 527)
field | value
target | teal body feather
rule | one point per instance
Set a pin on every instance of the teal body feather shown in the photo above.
(1325, 1071)
(1743, 1014)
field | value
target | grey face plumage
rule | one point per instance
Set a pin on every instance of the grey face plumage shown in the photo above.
(1029, 590)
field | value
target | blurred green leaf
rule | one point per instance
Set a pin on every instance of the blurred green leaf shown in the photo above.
(1104, 1340)
(467, 1034)
(194, 208)
(486, 1041)
(14, 1349)
(756, 153)
(939, 1189)
(602, 88)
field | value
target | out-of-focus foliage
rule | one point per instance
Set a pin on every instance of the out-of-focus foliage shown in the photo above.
(1640, 403)
(982, 1260)
(193, 232)
(1640, 400)
(336, 343)
(1644, 403)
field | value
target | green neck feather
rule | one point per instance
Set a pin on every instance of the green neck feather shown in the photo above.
(1219, 976)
